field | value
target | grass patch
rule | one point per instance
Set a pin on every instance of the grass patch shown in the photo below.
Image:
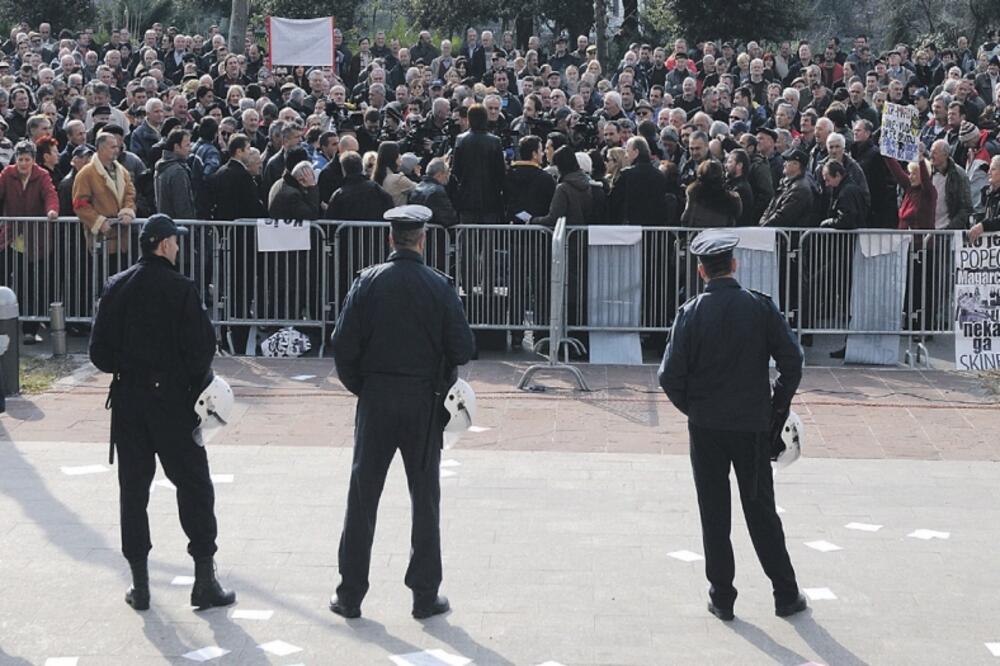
(38, 373)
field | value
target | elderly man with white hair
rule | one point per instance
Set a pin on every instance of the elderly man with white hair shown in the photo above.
(147, 134)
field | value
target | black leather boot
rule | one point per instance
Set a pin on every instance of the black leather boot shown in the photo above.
(207, 592)
(138, 595)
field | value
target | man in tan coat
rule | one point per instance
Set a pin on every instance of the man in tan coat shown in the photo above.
(103, 191)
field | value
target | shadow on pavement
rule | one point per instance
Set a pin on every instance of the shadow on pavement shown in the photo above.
(374, 632)
(463, 643)
(22, 409)
(760, 640)
(10, 660)
(822, 643)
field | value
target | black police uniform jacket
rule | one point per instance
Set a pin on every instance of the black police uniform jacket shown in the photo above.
(715, 368)
(152, 330)
(402, 322)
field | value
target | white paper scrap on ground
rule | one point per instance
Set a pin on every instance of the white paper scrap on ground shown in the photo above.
(823, 546)
(83, 469)
(685, 556)
(222, 478)
(478, 428)
(302, 378)
(429, 658)
(72, 661)
(450, 463)
(279, 648)
(252, 614)
(928, 534)
(863, 527)
(779, 509)
(182, 580)
(819, 593)
(447, 473)
(994, 649)
(206, 653)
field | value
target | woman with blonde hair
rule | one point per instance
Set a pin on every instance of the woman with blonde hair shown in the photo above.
(614, 162)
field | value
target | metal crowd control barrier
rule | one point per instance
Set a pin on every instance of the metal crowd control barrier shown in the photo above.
(502, 273)
(556, 322)
(828, 282)
(670, 277)
(358, 245)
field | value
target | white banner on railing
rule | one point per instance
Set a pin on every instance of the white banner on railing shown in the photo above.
(282, 235)
(977, 302)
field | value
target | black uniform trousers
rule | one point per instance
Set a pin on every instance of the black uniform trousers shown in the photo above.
(148, 423)
(390, 416)
(713, 452)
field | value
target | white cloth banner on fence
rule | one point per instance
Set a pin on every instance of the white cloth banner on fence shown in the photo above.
(977, 302)
(878, 287)
(760, 238)
(282, 235)
(900, 132)
(613, 235)
(306, 42)
(875, 245)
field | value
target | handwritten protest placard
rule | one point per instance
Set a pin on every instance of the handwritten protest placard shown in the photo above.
(900, 132)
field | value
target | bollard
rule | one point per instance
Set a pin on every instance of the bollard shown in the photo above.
(57, 329)
(10, 329)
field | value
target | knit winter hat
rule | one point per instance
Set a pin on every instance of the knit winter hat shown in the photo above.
(967, 132)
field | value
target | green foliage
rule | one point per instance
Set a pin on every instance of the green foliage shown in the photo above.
(72, 14)
(344, 10)
(731, 19)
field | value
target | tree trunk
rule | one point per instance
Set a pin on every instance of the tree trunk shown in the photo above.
(601, 28)
(238, 19)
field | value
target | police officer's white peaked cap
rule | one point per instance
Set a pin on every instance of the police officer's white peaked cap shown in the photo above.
(714, 242)
(411, 216)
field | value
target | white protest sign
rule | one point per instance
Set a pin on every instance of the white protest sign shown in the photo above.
(977, 302)
(900, 132)
(282, 235)
(301, 41)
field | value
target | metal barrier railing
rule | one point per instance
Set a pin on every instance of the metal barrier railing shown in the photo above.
(503, 273)
(825, 281)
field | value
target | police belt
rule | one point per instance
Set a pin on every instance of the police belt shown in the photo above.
(152, 381)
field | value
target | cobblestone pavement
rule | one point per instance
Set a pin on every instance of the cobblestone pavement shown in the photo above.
(567, 522)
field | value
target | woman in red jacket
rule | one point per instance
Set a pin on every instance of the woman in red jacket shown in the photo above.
(919, 198)
(26, 190)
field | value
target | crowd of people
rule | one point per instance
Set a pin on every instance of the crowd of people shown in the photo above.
(699, 135)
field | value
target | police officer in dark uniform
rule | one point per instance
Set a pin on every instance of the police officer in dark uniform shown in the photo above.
(398, 341)
(153, 334)
(715, 370)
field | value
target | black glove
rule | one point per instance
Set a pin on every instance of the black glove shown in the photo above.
(777, 445)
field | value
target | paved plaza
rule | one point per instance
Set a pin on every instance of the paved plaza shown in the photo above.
(570, 530)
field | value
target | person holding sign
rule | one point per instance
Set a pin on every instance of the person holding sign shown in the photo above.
(399, 339)
(990, 218)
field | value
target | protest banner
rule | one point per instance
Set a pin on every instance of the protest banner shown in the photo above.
(977, 303)
(282, 235)
(307, 42)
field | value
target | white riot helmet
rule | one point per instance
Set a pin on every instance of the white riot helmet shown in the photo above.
(791, 436)
(216, 400)
(460, 401)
